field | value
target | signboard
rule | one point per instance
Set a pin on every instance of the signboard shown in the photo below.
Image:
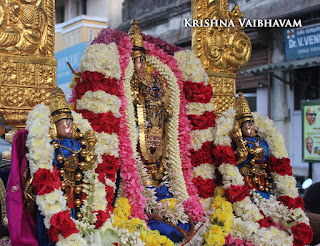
(310, 131)
(71, 55)
(302, 42)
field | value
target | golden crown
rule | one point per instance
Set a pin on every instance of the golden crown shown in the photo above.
(243, 112)
(59, 107)
(135, 34)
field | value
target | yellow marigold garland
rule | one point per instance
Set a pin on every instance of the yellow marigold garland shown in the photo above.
(220, 219)
(122, 212)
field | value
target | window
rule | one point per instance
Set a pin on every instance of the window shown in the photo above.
(81, 7)
(251, 96)
(59, 14)
(306, 85)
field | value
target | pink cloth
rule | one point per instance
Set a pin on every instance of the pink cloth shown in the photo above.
(22, 225)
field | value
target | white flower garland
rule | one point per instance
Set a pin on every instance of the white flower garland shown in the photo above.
(205, 171)
(101, 58)
(178, 187)
(199, 137)
(100, 102)
(38, 125)
(190, 67)
(245, 225)
(195, 108)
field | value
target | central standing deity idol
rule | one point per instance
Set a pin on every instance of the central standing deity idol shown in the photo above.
(151, 98)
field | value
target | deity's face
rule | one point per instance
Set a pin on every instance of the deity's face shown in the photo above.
(65, 128)
(140, 64)
(247, 129)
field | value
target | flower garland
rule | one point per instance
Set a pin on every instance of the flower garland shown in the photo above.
(101, 58)
(197, 99)
(135, 231)
(221, 219)
(62, 228)
(173, 150)
(260, 222)
(191, 67)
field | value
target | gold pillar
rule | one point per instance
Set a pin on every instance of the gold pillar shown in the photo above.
(27, 63)
(221, 46)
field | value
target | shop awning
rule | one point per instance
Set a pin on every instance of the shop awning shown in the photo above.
(287, 65)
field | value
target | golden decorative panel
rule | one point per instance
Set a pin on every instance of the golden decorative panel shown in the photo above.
(221, 46)
(27, 63)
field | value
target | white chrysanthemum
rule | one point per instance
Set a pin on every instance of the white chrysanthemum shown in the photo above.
(247, 210)
(51, 203)
(195, 108)
(270, 133)
(285, 185)
(231, 175)
(38, 141)
(243, 229)
(190, 67)
(80, 122)
(205, 171)
(100, 102)
(106, 144)
(101, 58)
(199, 137)
(223, 127)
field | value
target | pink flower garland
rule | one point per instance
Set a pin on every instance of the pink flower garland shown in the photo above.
(129, 172)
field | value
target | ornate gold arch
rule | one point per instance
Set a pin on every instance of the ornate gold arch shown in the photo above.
(222, 50)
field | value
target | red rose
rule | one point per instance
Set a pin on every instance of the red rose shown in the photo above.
(108, 168)
(224, 154)
(279, 166)
(43, 182)
(109, 194)
(104, 122)
(237, 193)
(101, 218)
(202, 121)
(302, 234)
(94, 81)
(63, 224)
(53, 234)
(292, 203)
(266, 222)
(205, 187)
(299, 203)
(197, 92)
(203, 155)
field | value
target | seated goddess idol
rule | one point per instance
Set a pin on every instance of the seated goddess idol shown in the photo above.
(151, 108)
(257, 177)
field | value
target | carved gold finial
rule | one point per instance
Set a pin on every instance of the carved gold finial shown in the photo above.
(243, 112)
(136, 39)
(58, 105)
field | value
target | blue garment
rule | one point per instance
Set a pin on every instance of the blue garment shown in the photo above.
(262, 143)
(67, 142)
(42, 231)
(164, 229)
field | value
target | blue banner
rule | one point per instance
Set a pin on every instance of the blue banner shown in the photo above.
(302, 42)
(71, 55)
